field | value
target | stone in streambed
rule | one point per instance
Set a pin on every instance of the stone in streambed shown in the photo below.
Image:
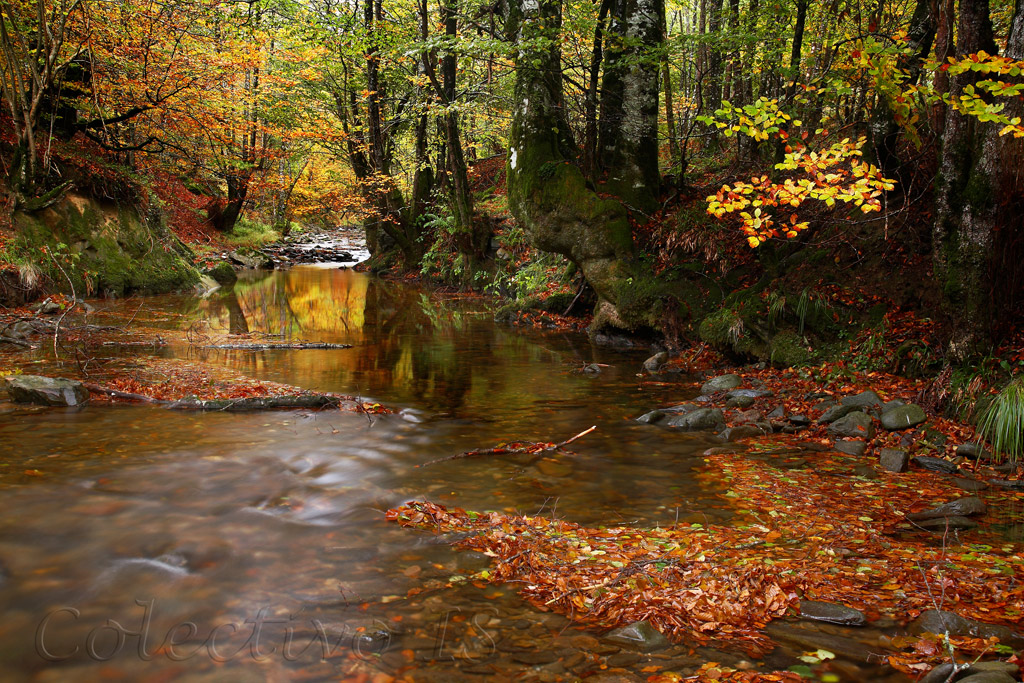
(970, 484)
(1008, 668)
(988, 677)
(935, 464)
(854, 425)
(639, 635)
(831, 613)
(741, 432)
(741, 402)
(894, 459)
(655, 362)
(944, 524)
(835, 413)
(972, 451)
(721, 383)
(851, 447)
(702, 419)
(865, 399)
(749, 393)
(962, 507)
(651, 417)
(46, 391)
(903, 417)
(941, 621)
(223, 274)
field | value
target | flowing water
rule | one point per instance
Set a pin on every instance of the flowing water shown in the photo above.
(138, 543)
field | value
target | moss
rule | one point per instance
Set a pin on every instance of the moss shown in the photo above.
(787, 349)
(104, 248)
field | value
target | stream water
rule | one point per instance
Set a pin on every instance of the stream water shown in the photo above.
(138, 543)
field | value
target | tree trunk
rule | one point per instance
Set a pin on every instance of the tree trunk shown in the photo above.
(967, 209)
(590, 101)
(548, 194)
(628, 129)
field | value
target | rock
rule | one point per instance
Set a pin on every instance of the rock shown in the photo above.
(640, 635)
(939, 674)
(856, 425)
(739, 402)
(535, 657)
(592, 369)
(834, 413)
(681, 408)
(903, 417)
(800, 420)
(972, 451)
(962, 507)
(865, 471)
(18, 330)
(947, 524)
(623, 659)
(654, 363)
(257, 261)
(1016, 485)
(701, 419)
(205, 286)
(807, 639)
(748, 417)
(865, 399)
(988, 677)
(935, 464)
(894, 459)
(721, 383)
(651, 417)
(223, 274)
(748, 393)
(46, 391)
(741, 432)
(777, 413)
(851, 447)
(831, 613)
(970, 484)
(1008, 668)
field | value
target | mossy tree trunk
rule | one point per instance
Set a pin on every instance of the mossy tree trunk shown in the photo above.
(548, 194)
(978, 196)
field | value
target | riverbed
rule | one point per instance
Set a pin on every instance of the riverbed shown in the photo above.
(138, 543)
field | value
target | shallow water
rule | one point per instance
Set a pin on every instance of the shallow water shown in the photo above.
(143, 544)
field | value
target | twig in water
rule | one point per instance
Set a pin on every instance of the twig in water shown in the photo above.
(513, 449)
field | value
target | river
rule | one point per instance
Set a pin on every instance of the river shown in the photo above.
(138, 543)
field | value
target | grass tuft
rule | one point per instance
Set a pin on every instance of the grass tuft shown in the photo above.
(1002, 422)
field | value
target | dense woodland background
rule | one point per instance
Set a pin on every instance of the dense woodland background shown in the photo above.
(712, 169)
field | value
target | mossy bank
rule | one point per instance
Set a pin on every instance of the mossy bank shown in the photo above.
(100, 248)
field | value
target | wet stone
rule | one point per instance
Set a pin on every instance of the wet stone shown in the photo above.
(46, 391)
(943, 524)
(865, 471)
(851, 447)
(748, 393)
(894, 459)
(972, 451)
(903, 417)
(654, 363)
(855, 424)
(988, 677)
(535, 658)
(865, 399)
(651, 417)
(1002, 667)
(623, 659)
(831, 613)
(970, 484)
(835, 413)
(935, 464)
(639, 635)
(739, 402)
(701, 419)
(721, 383)
(964, 507)
(741, 432)
(800, 420)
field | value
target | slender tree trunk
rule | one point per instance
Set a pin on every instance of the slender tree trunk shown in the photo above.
(590, 101)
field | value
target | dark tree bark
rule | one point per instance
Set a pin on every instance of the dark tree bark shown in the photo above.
(590, 102)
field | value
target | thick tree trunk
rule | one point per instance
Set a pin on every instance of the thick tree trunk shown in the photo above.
(628, 130)
(969, 209)
(548, 194)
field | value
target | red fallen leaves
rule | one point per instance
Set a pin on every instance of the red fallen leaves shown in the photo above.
(817, 536)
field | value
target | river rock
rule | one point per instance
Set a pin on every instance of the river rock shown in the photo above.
(257, 262)
(749, 393)
(972, 451)
(741, 432)
(640, 635)
(865, 399)
(702, 419)
(651, 417)
(962, 507)
(1008, 668)
(935, 464)
(988, 677)
(721, 383)
(800, 420)
(223, 274)
(808, 638)
(835, 413)
(894, 459)
(969, 484)
(940, 674)
(856, 425)
(681, 408)
(940, 621)
(852, 447)
(46, 391)
(831, 613)
(1015, 484)
(955, 523)
(654, 363)
(741, 402)
(903, 417)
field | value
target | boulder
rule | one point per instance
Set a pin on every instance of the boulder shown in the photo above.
(741, 432)
(852, 447)
(741, 402)
(961, 507)
(935, 464)
(831, 613)
(640, 635)
(941, 621)
(855, 425)
(894, 459)
(944, 524)
(903, 417)
(721, 383)
(970, 484)
(701, 419)
(835, 413)
(46, 391)
(654, 363)
(800, 420)
(223, 274)
(651, 417)
(972, 451)
(865, 399)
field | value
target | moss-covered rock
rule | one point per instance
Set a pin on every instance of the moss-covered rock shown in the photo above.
(223, 274)
(104, 248)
